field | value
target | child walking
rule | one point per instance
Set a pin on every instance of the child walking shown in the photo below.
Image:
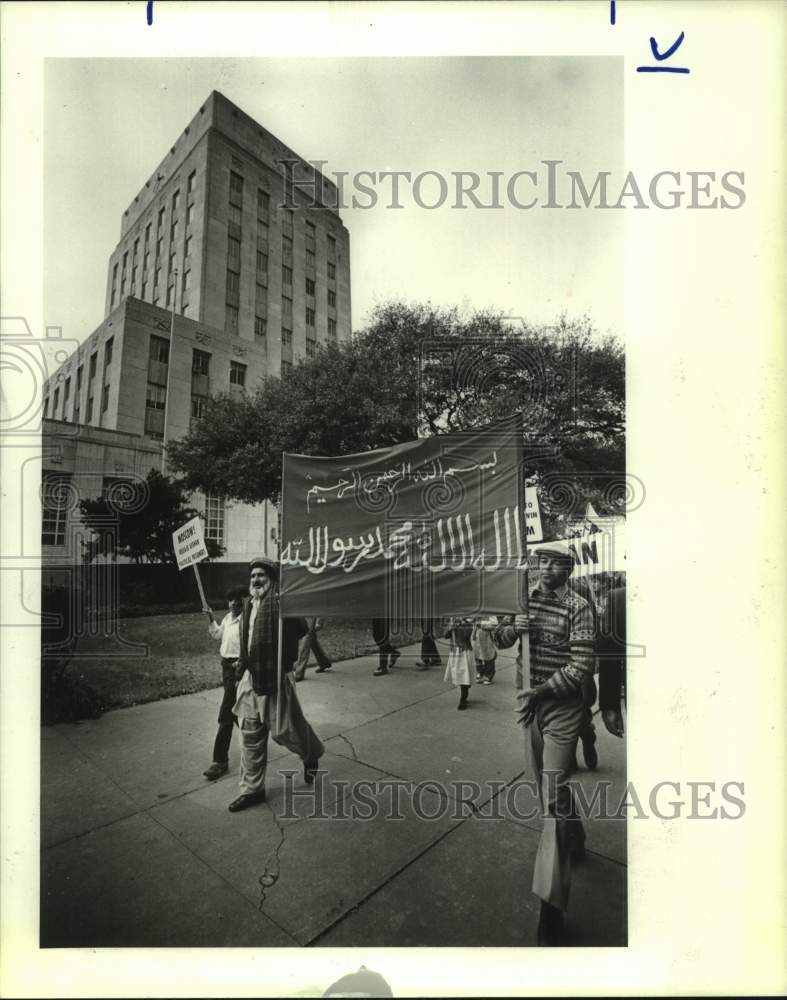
(460, 658)
(484, 649)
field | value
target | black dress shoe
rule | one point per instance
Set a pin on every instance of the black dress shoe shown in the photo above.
(321, 670)
(309, 770)
(393, 657)
(550, 927)
(380, 672)
(245, 801)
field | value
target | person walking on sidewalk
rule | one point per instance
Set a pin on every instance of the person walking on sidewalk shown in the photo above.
(381, 632)
(311, 644)
(228, 633)
(258, 693)
(459, 669)
(430, 655)
(561, 645)
(484, 650)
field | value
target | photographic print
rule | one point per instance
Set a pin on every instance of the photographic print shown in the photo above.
(387, 390)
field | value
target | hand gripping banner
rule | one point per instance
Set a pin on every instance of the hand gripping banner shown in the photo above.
(425, 528)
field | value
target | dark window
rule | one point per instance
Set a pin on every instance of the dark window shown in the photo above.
(286, 248)
(232, 319)
(260, 327)
(105, 399)
(237, 373)
(311, 287)
(93, 362)
(175, 200)
(286, 275)
(56, 498)
(108, 351)
(233, 254)
(191, 181)
(263, 204)
(200, 363)
(286, 337)
(331, 271)
(159, 350)
(236, 189)
(56, 403)
(331, 327)
(309, 317)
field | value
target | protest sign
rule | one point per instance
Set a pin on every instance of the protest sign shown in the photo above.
(190, 548)
(533, 530)
(425, 528)
(189, 543)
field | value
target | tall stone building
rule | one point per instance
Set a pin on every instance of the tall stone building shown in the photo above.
(225, 271)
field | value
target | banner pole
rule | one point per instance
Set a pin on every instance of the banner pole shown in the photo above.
(280, 675)
(199, 585)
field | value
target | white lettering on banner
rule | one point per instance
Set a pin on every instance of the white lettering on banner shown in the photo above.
(409, 547)
(372, 483)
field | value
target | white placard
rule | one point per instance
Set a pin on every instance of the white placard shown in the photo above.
(189, 543)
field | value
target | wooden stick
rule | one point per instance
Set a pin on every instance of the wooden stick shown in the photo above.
(199, 585)
(280, 681)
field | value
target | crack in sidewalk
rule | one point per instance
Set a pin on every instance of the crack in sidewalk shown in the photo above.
(349, 744)
(272, 868)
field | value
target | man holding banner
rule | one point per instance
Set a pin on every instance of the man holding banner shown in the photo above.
(266, 700)
(561, 647)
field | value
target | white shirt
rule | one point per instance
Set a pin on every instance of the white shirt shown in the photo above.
(229, 633)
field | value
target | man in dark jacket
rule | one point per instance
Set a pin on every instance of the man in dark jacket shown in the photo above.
(259, 693)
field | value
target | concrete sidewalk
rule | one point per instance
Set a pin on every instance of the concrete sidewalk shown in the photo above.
(138, 849)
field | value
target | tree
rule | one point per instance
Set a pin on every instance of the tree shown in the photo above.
(418, 370)
(137, 520)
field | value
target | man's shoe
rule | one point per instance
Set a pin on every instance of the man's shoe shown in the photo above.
(309, 770)
(590, 753)
(421, 665)
(380, 672)
(300, 677)
(321, 670)
(245, 801)
(216, 771)
(550, 927)
(393, 657)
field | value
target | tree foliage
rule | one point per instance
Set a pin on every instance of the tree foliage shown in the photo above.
(136, 520)
(418, 370)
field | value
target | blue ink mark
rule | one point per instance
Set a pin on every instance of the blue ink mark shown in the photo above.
(611, 11)
(150, 12)
(673, 48)
(662, 69)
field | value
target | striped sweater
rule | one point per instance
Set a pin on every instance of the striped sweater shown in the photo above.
(562, 641)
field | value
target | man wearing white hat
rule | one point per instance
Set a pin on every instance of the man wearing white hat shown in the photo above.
(560, 626)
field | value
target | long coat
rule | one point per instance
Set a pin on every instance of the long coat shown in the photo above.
(262, 663)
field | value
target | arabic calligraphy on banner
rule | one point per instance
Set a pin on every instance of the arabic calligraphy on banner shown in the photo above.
(435, 524)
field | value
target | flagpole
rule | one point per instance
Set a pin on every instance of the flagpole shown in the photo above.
(169, 368)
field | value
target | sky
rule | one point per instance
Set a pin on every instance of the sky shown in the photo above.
(108, 122)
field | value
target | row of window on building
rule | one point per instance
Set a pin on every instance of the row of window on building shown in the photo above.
(234, 236)
(132, 282)
(156, 397)
(60, 403)
(57, 494)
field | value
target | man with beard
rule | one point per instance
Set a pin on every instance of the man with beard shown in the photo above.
(560, 626)
(258, 691)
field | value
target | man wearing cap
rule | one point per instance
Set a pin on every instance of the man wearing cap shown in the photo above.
(258, 688)
(561, 644)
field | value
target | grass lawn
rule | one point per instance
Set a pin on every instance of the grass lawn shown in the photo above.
(167, 655)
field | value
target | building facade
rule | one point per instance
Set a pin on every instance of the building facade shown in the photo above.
(224, 273)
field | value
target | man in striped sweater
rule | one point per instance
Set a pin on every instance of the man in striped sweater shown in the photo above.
(560, 626)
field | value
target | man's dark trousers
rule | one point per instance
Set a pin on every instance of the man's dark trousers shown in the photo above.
(221, 747)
